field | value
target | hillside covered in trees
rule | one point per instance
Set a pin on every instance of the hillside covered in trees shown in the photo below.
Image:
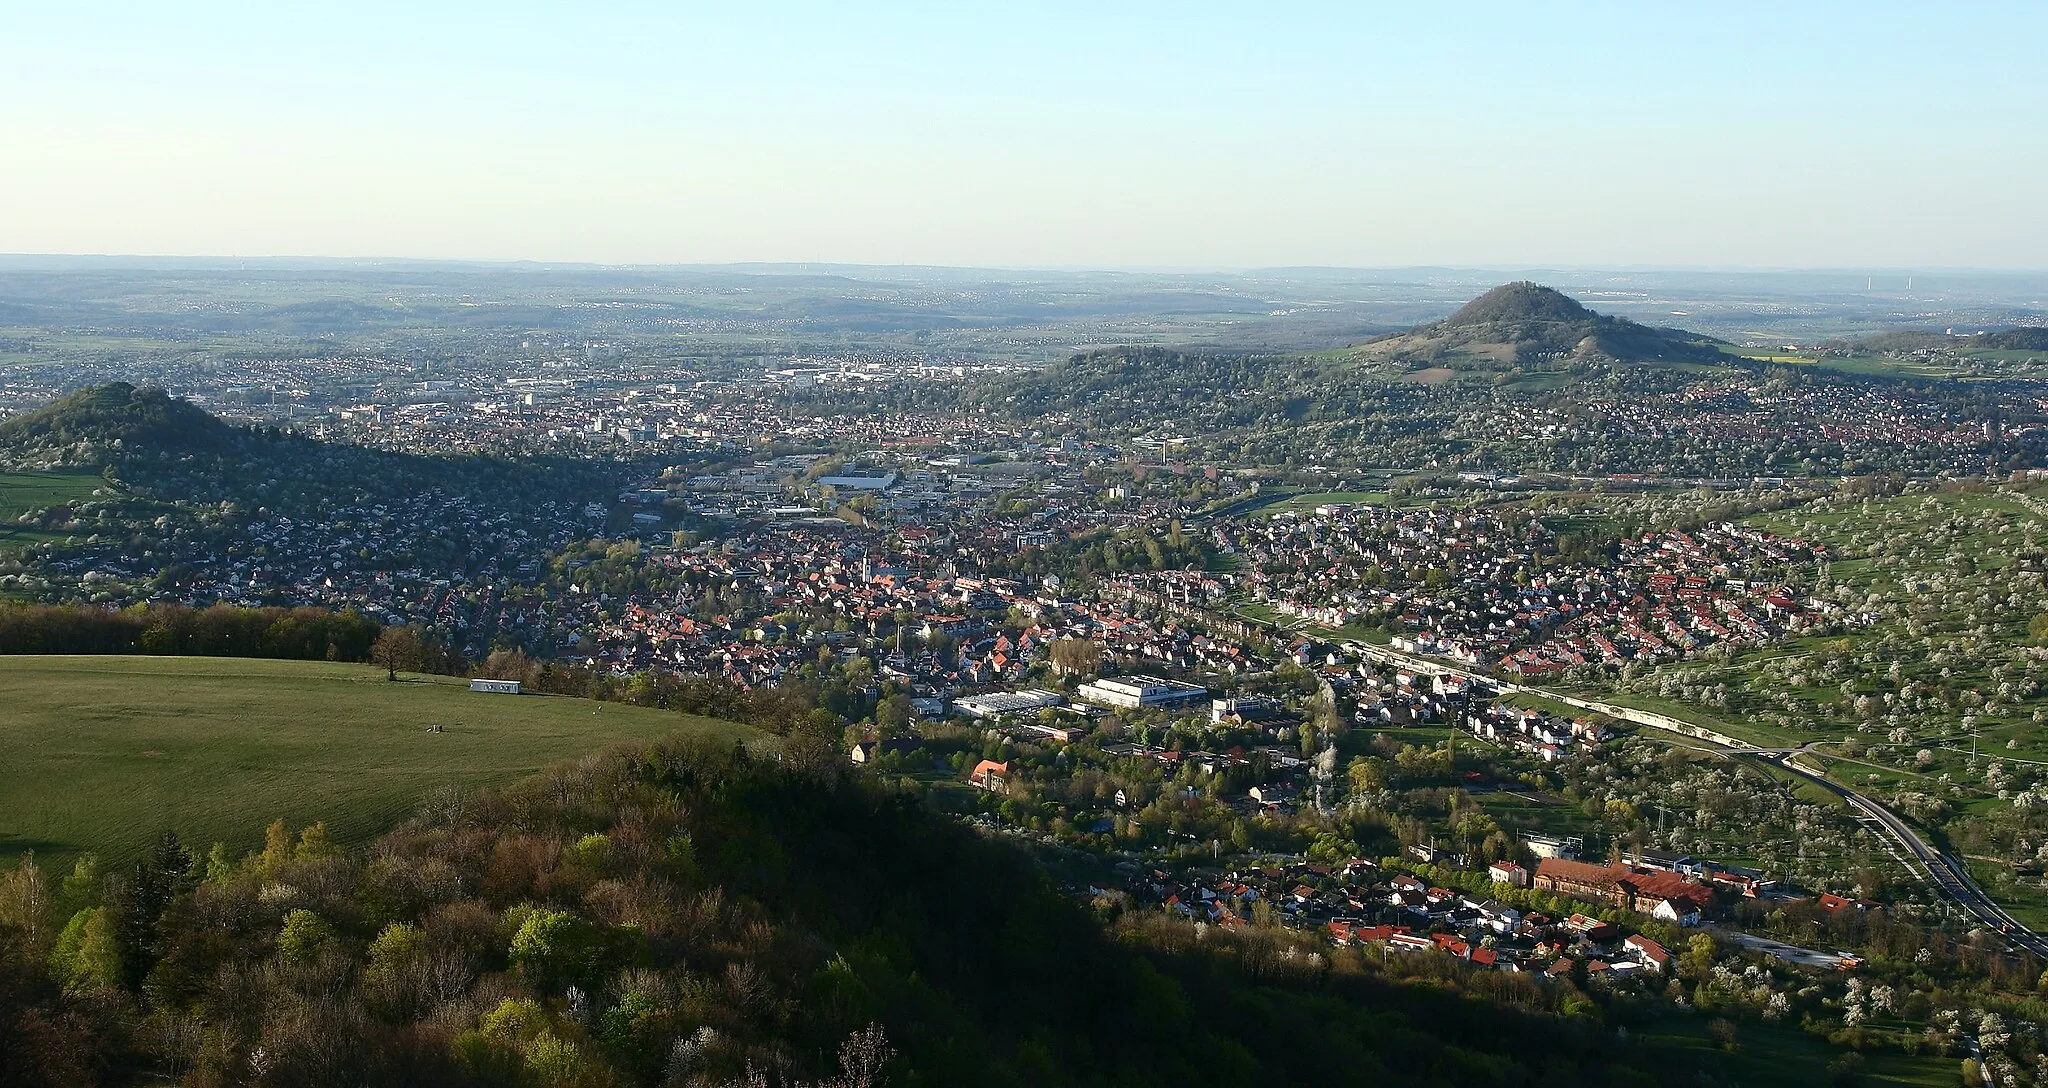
(2025, 338)
(166, 448)
(168, 501)
(698, 916)
(1526, 323)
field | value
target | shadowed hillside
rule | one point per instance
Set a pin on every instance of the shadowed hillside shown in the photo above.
(696, 916)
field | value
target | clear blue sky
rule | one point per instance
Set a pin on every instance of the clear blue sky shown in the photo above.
(1088, 134)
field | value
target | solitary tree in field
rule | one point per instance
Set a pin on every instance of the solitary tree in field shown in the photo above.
(397, 648)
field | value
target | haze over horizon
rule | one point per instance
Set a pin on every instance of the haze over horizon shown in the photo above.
(1156, 136)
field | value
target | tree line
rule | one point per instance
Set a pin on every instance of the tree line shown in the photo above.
(221, 630)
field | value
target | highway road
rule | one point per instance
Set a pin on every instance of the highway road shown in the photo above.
(1951, 875)
(1947, 873)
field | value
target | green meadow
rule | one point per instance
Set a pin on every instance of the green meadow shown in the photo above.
(105, 753)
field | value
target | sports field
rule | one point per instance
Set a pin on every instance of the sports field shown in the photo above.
(104, 753)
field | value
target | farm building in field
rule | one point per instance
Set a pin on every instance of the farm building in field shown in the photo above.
(495, 687)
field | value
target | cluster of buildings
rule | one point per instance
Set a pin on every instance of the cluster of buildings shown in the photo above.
(1361, 904)
(1535, 732)
(1741, 426)
(431, 558)
(1466, 585)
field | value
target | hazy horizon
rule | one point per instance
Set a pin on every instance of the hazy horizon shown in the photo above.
(1151, 137)
(40, 261)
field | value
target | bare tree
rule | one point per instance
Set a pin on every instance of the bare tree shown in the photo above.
(397, 648)
(863, 1058)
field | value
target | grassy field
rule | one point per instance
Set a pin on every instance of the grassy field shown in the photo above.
(1964, 538)
(1869, 365)
(1306, 503)
(26, 491)
(1730, 725)
(104, 753)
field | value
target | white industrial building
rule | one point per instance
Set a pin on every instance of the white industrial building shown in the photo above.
(860, 483)
(1136, 692)
(996, 703)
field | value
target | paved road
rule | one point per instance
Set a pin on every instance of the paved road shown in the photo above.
(1790, 953)
(1947, 873)
(1951, 875)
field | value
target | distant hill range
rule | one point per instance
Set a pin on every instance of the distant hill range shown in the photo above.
(2026, 338)
(1528, 324)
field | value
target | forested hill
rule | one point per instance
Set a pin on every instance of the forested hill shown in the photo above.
(90, 423)
(2022, 338)
(1526, 323)
(1254, 406)
(1521, 302)
(183, 489)
(1263, 408)
(178, 452)
(687, 916)
(1518, 342)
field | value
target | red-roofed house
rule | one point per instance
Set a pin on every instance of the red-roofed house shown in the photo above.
(1649, 953)
(991, 776)
(1665, 896)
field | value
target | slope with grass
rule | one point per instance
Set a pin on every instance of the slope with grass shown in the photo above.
(104, 753)
(23, 495)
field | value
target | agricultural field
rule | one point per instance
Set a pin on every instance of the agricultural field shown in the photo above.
(1957, 365)
(35, 490)
(105, 753)
(1310, 501)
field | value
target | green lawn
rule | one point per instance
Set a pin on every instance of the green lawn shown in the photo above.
(1739, 728)
(1877, 365)
(1306, 503)
(24, 490)
(1806, 789)
(2024, 898)
(104, 753)
(23, 536)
